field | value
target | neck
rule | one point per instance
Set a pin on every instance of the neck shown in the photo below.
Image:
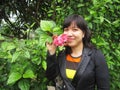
(77, 51)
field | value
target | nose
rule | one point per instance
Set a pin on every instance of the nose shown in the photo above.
(69, 33)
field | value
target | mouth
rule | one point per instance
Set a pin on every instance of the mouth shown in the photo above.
(70, 39)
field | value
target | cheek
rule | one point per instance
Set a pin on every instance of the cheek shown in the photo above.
(81, 34)
(64, 32)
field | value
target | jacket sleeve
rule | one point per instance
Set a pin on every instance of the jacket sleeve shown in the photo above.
(52, 66)
(102, 73)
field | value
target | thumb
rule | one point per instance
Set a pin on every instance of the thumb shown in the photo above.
(54, 36)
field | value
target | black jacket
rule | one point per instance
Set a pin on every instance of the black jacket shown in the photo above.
(92, 71)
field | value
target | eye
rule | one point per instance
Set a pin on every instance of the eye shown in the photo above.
(66, 29)
(75, 29)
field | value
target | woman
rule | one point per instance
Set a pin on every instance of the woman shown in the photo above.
(80, 66)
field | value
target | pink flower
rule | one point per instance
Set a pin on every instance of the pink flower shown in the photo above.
(60, 40)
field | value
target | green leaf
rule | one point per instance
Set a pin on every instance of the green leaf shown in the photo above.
(93, 40)
(7, 46)
(116, 23)
(80, 5)
(107, 20)
(36, 60)
(44, 65)
(92, 12)
(15, 56)
(24, 85)
(4, 55)
(27, 54)
(57, 31)
(90, 25)
(1, 37)
(101, 19)
(29, 74)
(47, 25)
(95, 2)
(13, 77)
(43, 39)
(39, 31)
(31, 26)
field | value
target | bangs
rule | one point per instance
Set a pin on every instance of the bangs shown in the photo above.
(69, 21)
(77, 20)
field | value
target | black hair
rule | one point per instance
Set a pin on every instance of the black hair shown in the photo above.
(81, 23)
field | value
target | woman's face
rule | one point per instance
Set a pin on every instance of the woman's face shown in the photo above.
(75, 35)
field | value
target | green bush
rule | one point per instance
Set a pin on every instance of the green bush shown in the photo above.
(23, 62)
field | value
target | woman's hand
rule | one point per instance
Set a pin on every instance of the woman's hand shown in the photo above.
(51, 48)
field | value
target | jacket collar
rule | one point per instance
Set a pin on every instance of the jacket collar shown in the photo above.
(82, 65)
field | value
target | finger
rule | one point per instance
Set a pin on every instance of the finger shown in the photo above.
(48, 43)
(65, 44)
(54, 36)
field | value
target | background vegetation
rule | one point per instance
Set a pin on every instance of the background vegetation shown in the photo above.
(22, 48)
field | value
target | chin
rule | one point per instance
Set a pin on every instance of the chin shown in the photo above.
(71, 45)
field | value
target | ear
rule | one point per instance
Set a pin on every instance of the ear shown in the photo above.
(83, 35)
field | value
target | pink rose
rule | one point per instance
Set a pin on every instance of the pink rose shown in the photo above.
(60, 40)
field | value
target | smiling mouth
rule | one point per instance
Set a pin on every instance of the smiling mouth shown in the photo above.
(70, 39)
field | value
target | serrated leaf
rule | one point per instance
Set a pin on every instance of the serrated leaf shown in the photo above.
(15, 56)
(39, 31)
(7, 46)
(36, 60)
(14, 76)
(29, 74)
(43, 39)
(47, 25)
(27, 54)
(57, 31)
(24, 85)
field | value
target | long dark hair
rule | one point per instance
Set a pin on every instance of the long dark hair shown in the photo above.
(81, 23)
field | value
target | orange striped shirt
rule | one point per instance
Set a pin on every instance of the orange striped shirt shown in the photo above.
(71, 65)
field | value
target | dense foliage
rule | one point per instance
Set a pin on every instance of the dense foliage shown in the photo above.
(22, 61)
(27, 12)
